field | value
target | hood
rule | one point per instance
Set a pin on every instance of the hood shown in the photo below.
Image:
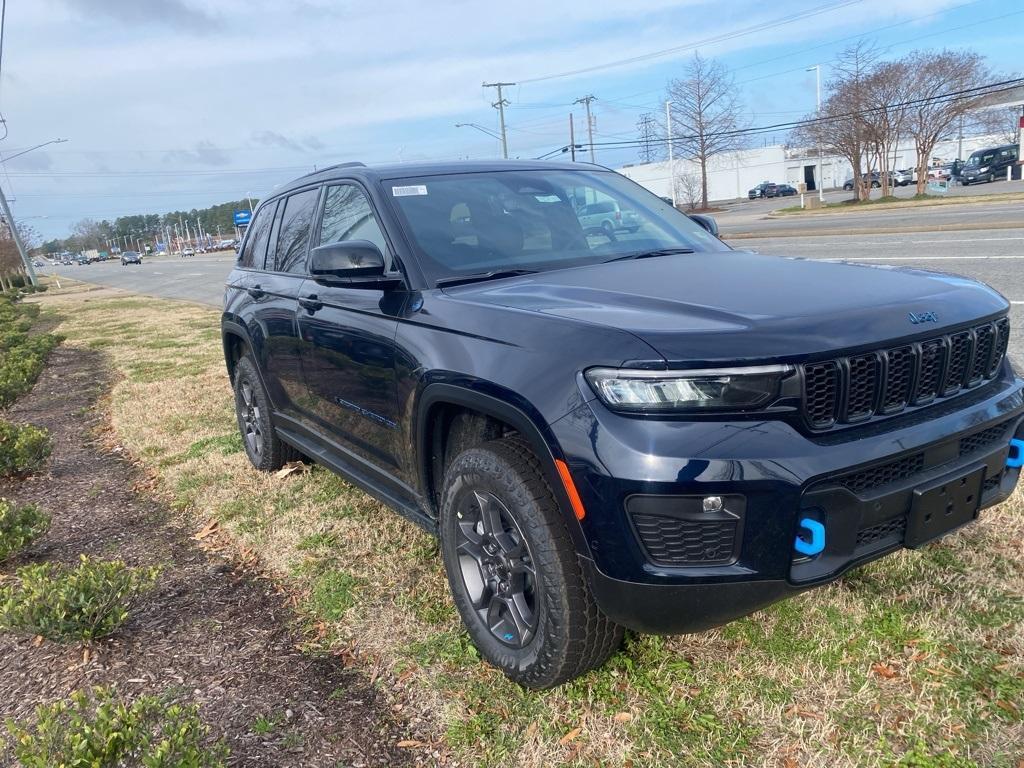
(739, 306)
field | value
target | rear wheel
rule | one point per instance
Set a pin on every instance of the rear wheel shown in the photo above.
(264, 448)
(513, 570)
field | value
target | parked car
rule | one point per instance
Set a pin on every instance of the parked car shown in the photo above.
(650, 431)
(942, 172)
(188, 251)
(764, 189)
(608, 217)
(81, 259)
(873, 178)
(988, 164)
(130, 257)
(785, 190)
(902, 178)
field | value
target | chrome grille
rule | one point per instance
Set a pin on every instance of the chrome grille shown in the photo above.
(887, 381)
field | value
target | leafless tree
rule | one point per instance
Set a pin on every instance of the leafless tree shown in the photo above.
(706, 115)
(886, 92)
(842, 128)
(1001, 122)
(937, 111)
(688, 190)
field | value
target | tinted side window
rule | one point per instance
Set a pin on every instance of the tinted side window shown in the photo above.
(293, 239)
(256, 244)
(348, 216)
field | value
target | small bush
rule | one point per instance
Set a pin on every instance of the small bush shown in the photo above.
(23, 448)
(19, 527)
(84, 602)
(21, 362)
(99, 729)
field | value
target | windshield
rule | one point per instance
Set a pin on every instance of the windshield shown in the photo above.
(475, 223)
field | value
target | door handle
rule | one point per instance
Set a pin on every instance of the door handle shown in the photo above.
(256, 291)
(311, 303)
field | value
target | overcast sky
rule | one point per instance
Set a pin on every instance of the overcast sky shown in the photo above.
(175, 104)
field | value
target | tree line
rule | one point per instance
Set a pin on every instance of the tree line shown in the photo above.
(217, 221)
(869, 106)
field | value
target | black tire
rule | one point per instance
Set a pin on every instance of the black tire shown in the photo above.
(266, 451)
(556, 632)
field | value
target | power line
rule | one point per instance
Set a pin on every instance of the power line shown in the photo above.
(761, 27)
(981, 90)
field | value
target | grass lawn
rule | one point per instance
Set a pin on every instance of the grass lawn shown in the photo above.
(916, 660)
(918, 201)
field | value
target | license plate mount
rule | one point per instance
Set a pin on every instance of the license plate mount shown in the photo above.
(943, 505)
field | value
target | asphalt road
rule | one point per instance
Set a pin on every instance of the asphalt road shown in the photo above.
(993, 256)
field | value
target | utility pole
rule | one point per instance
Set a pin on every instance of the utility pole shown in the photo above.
(29, 269)
(585, 101)
(821, 168)
(500, 105)
(671, 156)
(572, 140)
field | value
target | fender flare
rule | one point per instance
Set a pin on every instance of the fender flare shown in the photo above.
(544, 446)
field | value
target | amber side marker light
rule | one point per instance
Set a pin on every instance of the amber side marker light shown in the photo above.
(570, 488)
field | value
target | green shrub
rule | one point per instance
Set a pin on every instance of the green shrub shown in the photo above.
(23, 448)
(21, 361)
(99, 729)
(19, 527)
(83, 602)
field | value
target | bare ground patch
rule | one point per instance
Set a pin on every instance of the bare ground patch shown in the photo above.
(211, 633)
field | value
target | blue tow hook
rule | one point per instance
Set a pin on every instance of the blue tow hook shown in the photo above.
(817, 533)
(1016, 458)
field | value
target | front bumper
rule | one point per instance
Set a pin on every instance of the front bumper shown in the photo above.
(860, 483)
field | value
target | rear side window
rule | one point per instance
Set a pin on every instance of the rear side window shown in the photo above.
(293, 238)
(255, 249)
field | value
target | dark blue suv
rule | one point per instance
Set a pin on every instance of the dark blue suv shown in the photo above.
(610, 428)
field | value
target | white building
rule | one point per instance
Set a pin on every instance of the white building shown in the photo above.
(732, 174)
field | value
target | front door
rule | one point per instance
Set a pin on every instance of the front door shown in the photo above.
(348, 342)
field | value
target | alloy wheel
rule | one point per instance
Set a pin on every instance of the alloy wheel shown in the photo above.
(497, 569)
(251, 430)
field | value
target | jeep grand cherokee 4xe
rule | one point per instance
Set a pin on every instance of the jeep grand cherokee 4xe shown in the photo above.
(610, 429)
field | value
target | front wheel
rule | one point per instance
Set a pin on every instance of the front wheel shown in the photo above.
(513, 569)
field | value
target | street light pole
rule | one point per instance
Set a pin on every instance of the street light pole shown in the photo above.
(500, 105)
(15, 235)
(671, 158)
(821, 167)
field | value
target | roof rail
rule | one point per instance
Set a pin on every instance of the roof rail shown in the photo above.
(353, 164)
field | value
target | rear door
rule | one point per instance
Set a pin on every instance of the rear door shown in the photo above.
(348, 336)
(278, 288)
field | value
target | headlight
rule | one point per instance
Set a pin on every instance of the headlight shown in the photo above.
(983, 170)
(643, 391)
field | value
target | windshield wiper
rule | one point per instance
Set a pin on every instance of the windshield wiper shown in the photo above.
(650, 254)
(481, 276)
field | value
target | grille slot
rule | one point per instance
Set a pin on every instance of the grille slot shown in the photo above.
(984, 342)
(883, 474)
(991, 483)
(887, 381)
(822, 389)
(984, 439)
(899, 376)
(930, 377)
(860, 402)
(896, 528)
(672, 541)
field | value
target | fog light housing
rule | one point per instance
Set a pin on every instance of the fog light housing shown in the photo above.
(712, 504)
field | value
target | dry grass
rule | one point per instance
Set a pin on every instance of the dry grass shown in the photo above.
(915, 660)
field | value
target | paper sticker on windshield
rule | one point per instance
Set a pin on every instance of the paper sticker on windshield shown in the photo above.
(414, 189)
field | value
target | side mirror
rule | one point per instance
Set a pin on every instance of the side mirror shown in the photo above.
(708, 222)
(349, 258)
